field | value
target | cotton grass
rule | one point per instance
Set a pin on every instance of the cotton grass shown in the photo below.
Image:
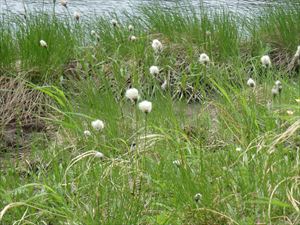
(132, 38)
(278, 85)
(197, 197)
(266, 61)
(77, 15)
(64, 3)
(251, 83)
(132, 94)
(114, 23)
(145, 106)
(204, 58)
(87, 133)
(154, 70)
(43, 44)
(93, 33)
(98, 125)
(130, 27)
(275, 91)
(157, 46)
(99, 155)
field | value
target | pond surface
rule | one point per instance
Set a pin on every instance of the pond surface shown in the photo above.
(90, 7)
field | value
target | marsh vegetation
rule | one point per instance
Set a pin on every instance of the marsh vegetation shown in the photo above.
(165, 116)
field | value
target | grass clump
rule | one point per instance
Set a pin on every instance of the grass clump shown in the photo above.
(212, 150)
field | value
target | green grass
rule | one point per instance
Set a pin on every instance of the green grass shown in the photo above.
(208, 132)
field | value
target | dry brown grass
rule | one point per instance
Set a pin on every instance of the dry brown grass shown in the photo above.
(21, 112)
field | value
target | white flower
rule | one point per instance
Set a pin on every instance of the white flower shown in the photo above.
(290, 112)
(176, 162)
(251, 83)
(203, 59)
(64, 3)
(145, 106)
(133, 147)
(298, 52)
(87, 133)
(164, 85)
(98, 125)
(77, 15)
(99, 155)
(130, 28)
(266, 61)
(157, 45)
(275, 91)
(132, 94)
(93, 33)
(197, 197)
(278, 84)
(154, 70)
(297, 100)
(114, 22)
(132, 38)
(43, 44)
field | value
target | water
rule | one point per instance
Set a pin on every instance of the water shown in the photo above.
(100, 7)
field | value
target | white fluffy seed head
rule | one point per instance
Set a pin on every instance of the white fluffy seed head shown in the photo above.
(197, 197)
(157, 46)
(132, 38)
(251, 83)
(87, 133)
(114, 22)
(275, 91)
(132, 94)
(278, 85)
(204, 59)
(43, 44)
(154, 70)
(298, 52)
(77, 15)
(64, 3)
(130, 27)
(99, 155)
(98, 125)
(93, 33)
(266, 61)
(145, 106)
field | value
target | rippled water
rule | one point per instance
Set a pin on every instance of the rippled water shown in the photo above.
(105, 6)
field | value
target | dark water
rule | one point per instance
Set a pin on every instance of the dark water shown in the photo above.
(89, 7)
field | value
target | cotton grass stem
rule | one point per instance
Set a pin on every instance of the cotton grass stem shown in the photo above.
(137, 151)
